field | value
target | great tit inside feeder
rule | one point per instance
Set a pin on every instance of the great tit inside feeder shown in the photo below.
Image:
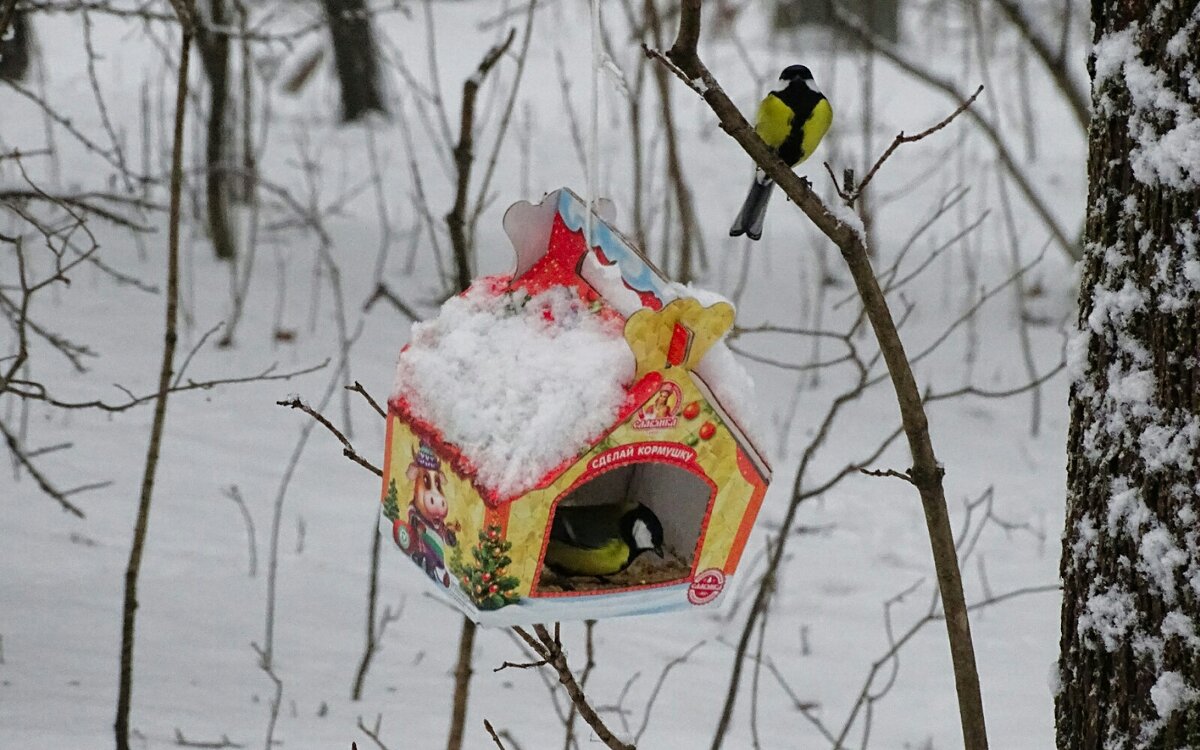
(600, 540)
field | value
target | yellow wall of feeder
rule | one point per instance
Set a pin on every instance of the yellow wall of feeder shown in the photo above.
(465, 506)
(718, 456)
(650, 333)
(528, 519)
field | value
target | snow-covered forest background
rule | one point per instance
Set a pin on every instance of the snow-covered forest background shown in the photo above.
(261, 532)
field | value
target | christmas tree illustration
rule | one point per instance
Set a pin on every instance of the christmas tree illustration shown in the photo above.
(486, 580)
(391, 504)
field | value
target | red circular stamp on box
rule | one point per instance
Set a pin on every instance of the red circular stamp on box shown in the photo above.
(706, 586)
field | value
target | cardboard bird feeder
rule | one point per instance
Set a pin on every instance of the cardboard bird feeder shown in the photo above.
(584, 377)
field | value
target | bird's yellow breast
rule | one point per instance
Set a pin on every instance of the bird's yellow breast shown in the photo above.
(774, 121)
(600, 561)
(816, 127)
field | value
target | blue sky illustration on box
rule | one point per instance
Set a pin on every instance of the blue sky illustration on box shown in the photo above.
(637, 273)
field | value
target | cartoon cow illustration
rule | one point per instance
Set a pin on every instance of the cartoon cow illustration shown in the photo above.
(428, 533)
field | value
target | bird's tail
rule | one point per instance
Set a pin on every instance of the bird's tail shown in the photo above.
(749, 220)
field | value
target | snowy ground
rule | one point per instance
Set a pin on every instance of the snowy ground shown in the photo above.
(196, 670)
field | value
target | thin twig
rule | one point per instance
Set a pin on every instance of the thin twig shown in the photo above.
(358, 388)
(42, 481)
(347, 447)
(373, 733)
(220, 744)
(463, 159)
(495, 738)
(383, 292)
(234, 494)
(548, 648)
(662, 679)
(502, 127)
(887, 473)
(37, 392)
(901, 138)
(520, 665)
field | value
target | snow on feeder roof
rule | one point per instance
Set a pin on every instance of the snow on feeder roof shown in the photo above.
(517, 383)
(582, 384)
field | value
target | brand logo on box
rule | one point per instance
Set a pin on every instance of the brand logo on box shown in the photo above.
(662, 411)
(706, 586)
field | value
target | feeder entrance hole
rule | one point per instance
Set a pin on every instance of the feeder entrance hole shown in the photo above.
(679, 498)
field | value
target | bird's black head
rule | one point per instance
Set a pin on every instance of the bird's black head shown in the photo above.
(796, 73)
(642, 531)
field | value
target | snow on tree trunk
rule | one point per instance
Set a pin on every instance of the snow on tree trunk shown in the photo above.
(1129, 669)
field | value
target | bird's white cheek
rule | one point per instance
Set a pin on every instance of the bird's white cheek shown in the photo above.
(812, 86)
(780, 86)
(641, 536)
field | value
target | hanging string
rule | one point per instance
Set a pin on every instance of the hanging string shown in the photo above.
(593, 167)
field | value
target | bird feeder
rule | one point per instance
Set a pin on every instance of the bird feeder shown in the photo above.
(582, 378)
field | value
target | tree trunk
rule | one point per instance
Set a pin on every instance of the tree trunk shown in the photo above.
(16, 42)
(1129, 669)
(355, 58)
(214, 53)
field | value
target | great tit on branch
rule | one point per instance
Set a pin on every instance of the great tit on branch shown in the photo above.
(792, 119)
(600, 540)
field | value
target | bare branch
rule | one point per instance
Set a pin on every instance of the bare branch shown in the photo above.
(220, 744)
(42, 481)
(86, 202)
(37, 391)
(590, 653)
(1010, 165)
(464, 157)
(234, 494)
(373, 733)
(170, 338)
(887, 473)
(926, 471)
(358, 388)
(383, 292)
(502, 127)
(1075, 96)
(547, 647)
(662, 678)
(347, 447)
(495, 738)
(901, 138)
